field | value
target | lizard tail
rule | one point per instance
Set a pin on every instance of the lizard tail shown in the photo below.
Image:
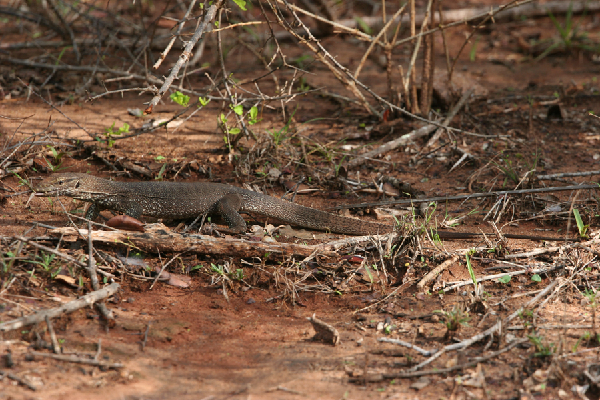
(314, 219)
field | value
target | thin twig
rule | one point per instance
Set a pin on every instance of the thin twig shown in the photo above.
(465, 196)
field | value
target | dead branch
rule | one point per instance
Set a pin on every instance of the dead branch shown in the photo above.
(435, 272)
(426, 353)
(185, 54)
(77, 360)
(71, 306)
(465, 196)
(159, 238)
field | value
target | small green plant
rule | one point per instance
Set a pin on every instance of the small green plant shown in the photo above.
(203, 101)
(57, 156)
(504, 279)
(470, 269)
(569, 36)
(473, 52)
(227, 129)
(363, 25)
(45, 260)
(280, 135)
(581, 227)
(541, 349)
(109, 133)
(241, 4)
(454, 319)
(180, 98)
(509, 171)
(253, 116)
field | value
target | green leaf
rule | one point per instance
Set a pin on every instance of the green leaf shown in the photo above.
(363, 25)
(239, 109)
(180, 98)
(234, 131)
(504, 279)
(241, 4)
(203, 101)
(536, 278)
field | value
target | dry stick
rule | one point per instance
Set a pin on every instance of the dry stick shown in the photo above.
(376, 40)
(182, 22)
(404, 139)
(71, 306)
(106, 313)
(19, 380)
(567, 174)
(78, 360)
(461, 102)
(232, 100)
(435, 272)
(426, 353)
(57, 253)
(465, 196)
(162, 269)
(323, 54)
(549, 327)
(497, 276)
(486, 19)
(143, 344)
(465, 343)
(351, 30)
(475, 361)
(428, 65)
(411, 75)
(185, 54)
(544, 250)
(68, 29)
(400, 289)
(55, 346)
(325, 58)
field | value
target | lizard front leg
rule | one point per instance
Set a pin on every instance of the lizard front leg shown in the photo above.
(228, 207)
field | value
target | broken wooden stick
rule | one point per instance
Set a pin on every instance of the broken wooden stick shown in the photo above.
(158, 238)
(71, 306)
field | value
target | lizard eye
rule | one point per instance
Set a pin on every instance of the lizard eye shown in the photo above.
(77, 185)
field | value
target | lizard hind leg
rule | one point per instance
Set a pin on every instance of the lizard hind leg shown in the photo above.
(228, 207)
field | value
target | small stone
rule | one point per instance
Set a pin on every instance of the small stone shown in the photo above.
(421, 383)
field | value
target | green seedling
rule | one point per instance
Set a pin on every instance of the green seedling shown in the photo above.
(57, 159)
(203, 101)
(363, 25)
(569, 36)
(473, 52)
(454, 319)
(109, 133)
(280, 135)
(227, 129)
(253, 116)
(541, 349)
(592, 297)
(470, 269)
(45, 260)
(180, 98)
(241, 4)
(581, 227)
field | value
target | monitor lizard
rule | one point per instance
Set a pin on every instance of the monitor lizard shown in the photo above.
(178, 200)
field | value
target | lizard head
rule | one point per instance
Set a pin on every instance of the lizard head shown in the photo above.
(68, 184)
